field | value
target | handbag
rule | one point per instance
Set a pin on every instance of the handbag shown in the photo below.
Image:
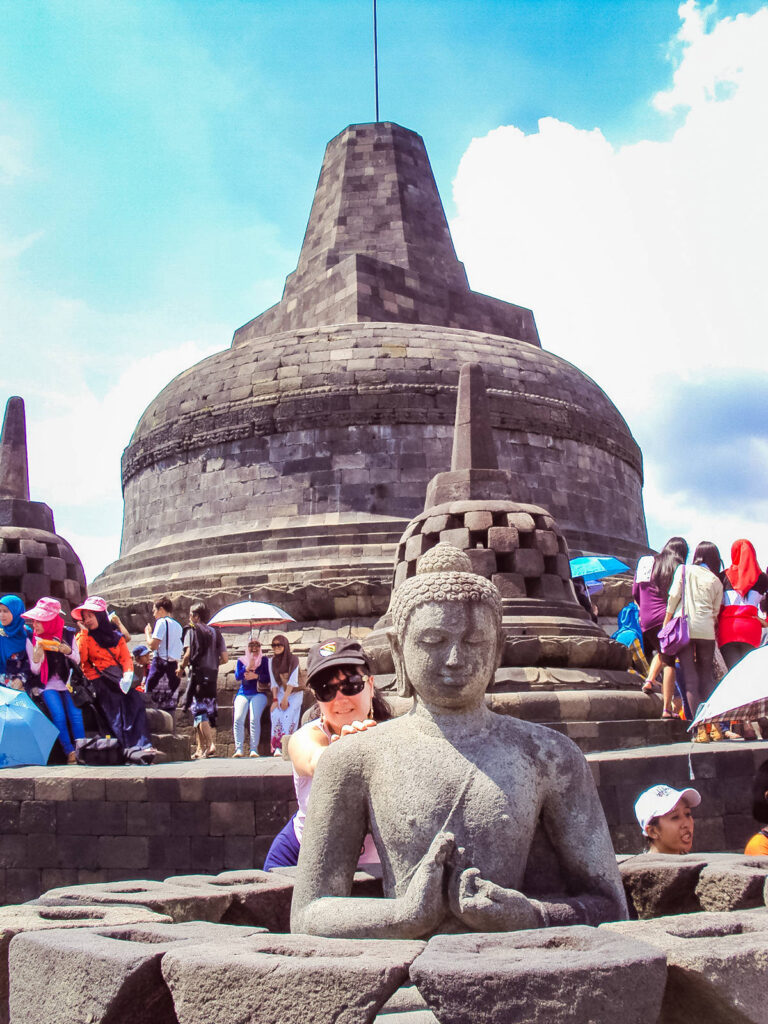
(113, 674)
(80, 688)
(100, 751)
(675, 635)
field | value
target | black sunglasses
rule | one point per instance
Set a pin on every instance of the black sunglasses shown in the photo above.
(277, 645)
(349, 686)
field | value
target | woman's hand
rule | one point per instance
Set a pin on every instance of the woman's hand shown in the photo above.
(38, 653)
(284, 702)
(351, 729)
(250, 674)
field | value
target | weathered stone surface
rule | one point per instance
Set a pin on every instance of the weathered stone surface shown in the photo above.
(258, 897)
(659, 884)
(286, 979)
(34, 561)
(735, 886)
(540, 977)
(717, 965)
(338, 402)
(14, 920)
(459, 863)
(103, 976)
(179, 903)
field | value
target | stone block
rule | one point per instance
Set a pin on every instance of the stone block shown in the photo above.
(231, 818)
(258, 897)
(545, 541)
(180, 904)
(435, 524)
(716, 964)
(290, 979)
(528, 562)
(521, 521)
(733, 886)
(102, 975)
(659, 884)
(503, 538)
(16, 920)
(509, 584)
(542, 976)
(478, 520)
(458, 538)
(416, 545)
(483, 561)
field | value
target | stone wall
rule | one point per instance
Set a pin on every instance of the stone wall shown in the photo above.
(66, 825)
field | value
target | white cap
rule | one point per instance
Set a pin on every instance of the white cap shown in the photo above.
(659, 800)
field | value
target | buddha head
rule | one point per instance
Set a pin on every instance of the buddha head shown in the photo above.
(446, 635)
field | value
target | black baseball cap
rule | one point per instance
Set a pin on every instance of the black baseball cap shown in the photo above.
(339, 650)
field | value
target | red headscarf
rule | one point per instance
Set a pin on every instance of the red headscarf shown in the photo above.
(52, 630)
(744, 571)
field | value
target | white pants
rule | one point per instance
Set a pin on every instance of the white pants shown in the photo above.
(257, 703)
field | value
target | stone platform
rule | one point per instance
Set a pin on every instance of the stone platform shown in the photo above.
(68, 825)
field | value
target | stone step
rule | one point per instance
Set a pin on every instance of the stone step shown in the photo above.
(593, 737)
(406, 1006)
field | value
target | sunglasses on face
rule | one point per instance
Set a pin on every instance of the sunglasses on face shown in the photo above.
(277, 645)
(349, 686)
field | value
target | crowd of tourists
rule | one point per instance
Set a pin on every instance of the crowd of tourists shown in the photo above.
(85, 674)
(685, 612)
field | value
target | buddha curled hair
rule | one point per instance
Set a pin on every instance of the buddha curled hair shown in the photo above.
(444, 573)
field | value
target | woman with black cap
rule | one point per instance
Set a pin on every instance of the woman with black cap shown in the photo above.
(339, 675)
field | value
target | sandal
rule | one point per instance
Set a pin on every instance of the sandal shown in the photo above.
(667, 714)
(647, 686)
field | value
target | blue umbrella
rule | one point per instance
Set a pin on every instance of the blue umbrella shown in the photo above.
(592, 567)
(26, 735)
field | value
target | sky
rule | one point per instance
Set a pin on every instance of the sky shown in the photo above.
(601, 162)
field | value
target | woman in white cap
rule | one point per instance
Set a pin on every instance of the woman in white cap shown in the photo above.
(52, 651)
(664, 815)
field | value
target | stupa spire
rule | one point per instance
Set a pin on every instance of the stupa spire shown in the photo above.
(474, 473)
(473, 444)
(14, 471)
(378, 248)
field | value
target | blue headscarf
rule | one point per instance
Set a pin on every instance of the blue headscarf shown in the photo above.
(13, 637)
(629, 626)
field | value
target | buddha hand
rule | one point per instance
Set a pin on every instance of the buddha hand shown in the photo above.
(424, 899)
(484, 906)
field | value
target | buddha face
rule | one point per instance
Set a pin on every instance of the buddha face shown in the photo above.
(449, 652)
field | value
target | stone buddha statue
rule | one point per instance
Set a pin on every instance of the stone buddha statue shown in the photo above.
(452, 793)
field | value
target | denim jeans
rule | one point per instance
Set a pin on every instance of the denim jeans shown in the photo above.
(257, 704)
(66, 717)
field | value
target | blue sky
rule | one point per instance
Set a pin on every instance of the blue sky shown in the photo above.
(158, 159)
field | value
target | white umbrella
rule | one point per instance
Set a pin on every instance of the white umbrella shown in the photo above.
(250, 614)
(742, 694)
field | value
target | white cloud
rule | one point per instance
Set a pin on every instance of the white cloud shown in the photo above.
(645, 264)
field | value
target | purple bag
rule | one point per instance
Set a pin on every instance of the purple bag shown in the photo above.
(675, 635)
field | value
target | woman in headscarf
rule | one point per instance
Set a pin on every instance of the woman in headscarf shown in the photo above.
(252, 672)
(742, 617)
(52, 651)
(107, 662)
(14, 663)
(287, 694)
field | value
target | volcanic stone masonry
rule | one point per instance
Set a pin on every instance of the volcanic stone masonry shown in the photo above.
(34, 561)
(289, 464)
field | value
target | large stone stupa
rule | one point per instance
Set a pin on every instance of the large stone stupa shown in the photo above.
(289, 464)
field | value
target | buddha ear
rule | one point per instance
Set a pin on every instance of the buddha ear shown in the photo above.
(404, 688)
(499, 646)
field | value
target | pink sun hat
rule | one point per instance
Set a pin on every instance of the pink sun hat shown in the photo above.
(92, 604)
(47, 608)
